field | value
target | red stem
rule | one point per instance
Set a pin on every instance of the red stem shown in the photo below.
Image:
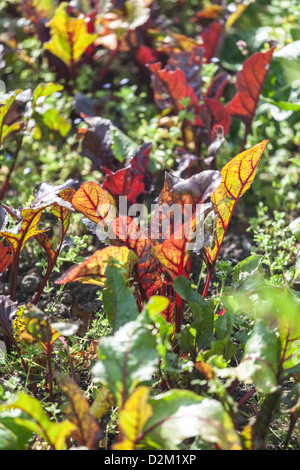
(208, 280)
(246, 397)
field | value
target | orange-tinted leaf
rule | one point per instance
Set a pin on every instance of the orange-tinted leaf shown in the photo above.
(130, 181)
(95, 203)
(237, 177)
(210, 12)
(249, 84)
(92, 270)
(5, 257)
(45, 242)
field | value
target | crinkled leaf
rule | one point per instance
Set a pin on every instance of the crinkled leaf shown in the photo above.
(181, 414)
(127, 358)
(25, 229)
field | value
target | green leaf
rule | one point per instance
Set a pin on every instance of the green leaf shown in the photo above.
(13, 436)
(288, 59)
(201, 308)
(122, 146)
(247, 276)
(127, 358)
(181, 414)
(55, 122)
(35, 420)
(5, 107)
(295, 227)
(199, 334)
(43, 90)
(261, 358)
(118, 300)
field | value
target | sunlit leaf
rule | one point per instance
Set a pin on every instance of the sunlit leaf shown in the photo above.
(174, 250)
(37, 420)
(132, 418)
(8, 309)
(92, 270)
(6, 126)
(95, 203)
(43, 90)
(180, 414)
(25, 229)
(237, 177)
(69, 36)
